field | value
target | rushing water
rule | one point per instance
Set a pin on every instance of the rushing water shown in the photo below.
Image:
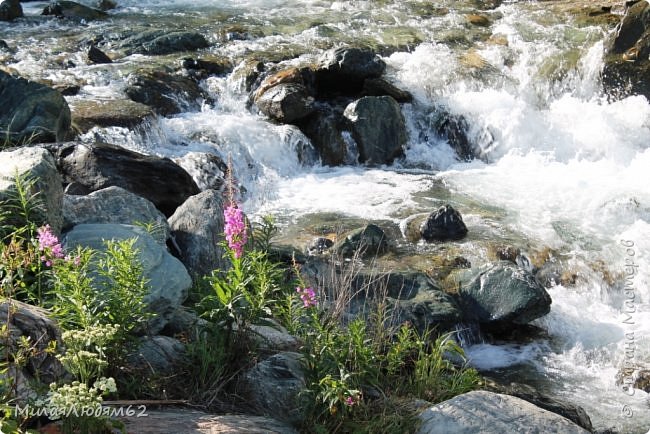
(568, 169)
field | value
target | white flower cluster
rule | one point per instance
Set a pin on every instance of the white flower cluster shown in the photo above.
(76, 399)
(90, 336)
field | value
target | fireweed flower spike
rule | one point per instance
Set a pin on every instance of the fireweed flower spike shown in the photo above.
(308, 296)
(49, 244)
(235, 229)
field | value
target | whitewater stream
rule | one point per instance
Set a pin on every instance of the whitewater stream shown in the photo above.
(567, 171)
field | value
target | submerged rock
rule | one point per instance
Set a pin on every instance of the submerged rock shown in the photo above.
(73, 10)
(10, 10)
(443, 224)
(164, 92)
(492, 413)
(102, 165)
(158, 42)
(378, 128)
(32, 112)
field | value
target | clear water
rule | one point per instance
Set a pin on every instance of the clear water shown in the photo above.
(569, 169)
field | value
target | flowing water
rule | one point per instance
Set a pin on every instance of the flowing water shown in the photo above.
(568, 169)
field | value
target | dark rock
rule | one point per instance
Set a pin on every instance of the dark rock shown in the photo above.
(158, 42)
(34, 163)
(102, 165)
(159, 355)
(381, 87)
(401, 285)
(319, 245)
(378, 128)
(478, 20)
(303, 76)
(106, 5)
(429, 310)
(114, 205)
(87, 114)
(5, 47)
(344, 70)
(165, 93)
(208, 170)
(286, 102)
(41, 366)
(10, 10)
(627, 63)
(502, 294)
(95, 55)
(185, 322)
(32, 112)
(247, 73)
(208, 66)
(197, 227)
(456, 130)
(73, 10)
(324, 128)
(274, 384)
(67, 89)
(443, 224)
(368, 241)
(167, 278)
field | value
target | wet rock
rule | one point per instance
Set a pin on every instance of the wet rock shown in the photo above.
(114, 205)
(40, 366)
(34, 163)
(32, 112)
(106, 5)
(165, 93)
(319, 245)
(457, 131)
(443, 224)
(401, 285)
(429, 310)
(158, 42)
(273, 386)
(67, 89)
(381, 87)
(73, 10)
(10, 10)
(367, 241)
(627, 63)
(208, 170)
(179, 421)
(96, 56)
(4, 47)
(246, 74)
(378, 128)
(167, 278)
(492, 413)
(102, 165)
(344, 70)
(325, 127)
(286, 102)
(208, 66)
(157, 355)
(478, 20)
(502, 294)
(87, 114)
(197, 227)
(633, 377)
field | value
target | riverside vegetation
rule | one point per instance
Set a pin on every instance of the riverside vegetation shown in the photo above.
(361, 374)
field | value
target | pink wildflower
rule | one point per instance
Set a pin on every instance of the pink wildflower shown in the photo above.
(349, 401)
(235, 229)
(308, 296)
(48, 243)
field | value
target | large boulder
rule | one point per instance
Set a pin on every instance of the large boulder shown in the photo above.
(273, 385)
(34, 323)
(164, 92)
(167, 278)
(101, 165)
(492, 413)
(73, 10)
(31, 112)
(324, 127)
(158, 355)
(502, 294)
(443, 224)
(10, 9)
(344, 70)
(114, 205)
(158, 42)
(87, 114)
(38, 164)
(286, 102)
(429, 310)
(378, 128)
(197, 227)
(627, 63)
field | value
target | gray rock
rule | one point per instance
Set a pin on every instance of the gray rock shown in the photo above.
(325, 130)
(179, 421)
(35, 163)
(343, 70)
(101, 165)
(378, 128)
(168, 279)
(443, 224)
(319, 245)
(185, 322)
(482, 412)
(273, 386)
(31, 112)
(429, 310)
(157, 354)
(502, 294)
(114, 205)
(367, 241)
(34, 323)
(274, 338)
(10, 10)
(197, 227)
(164, 92)
(73, 10)
(208, 170)
(286, 102)
(456, 129)
(158, 42)
(381, 87)
(87, 113)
